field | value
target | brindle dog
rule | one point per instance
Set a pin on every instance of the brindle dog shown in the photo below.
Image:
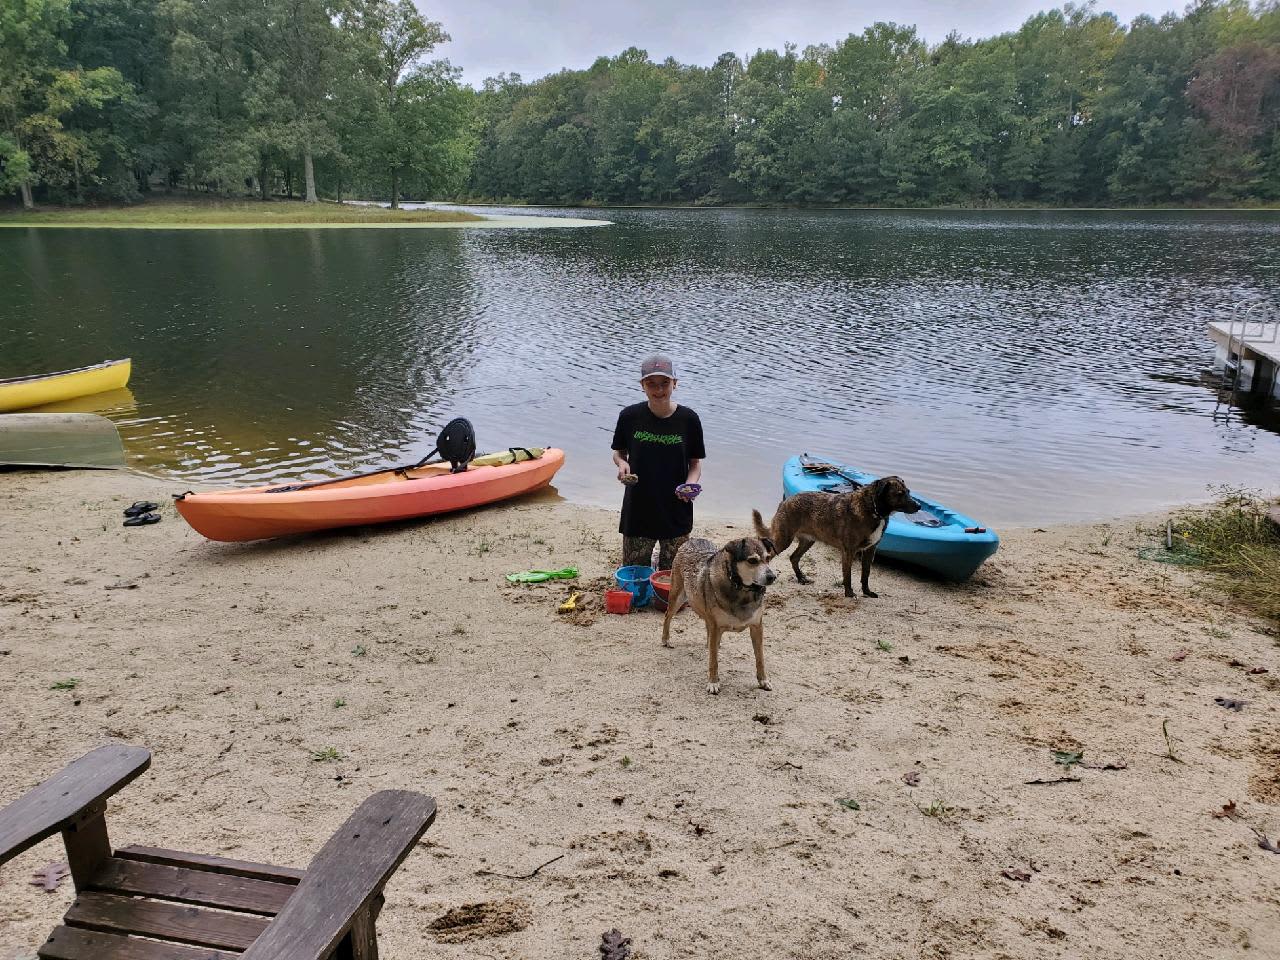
(725, 586)
(851, 522)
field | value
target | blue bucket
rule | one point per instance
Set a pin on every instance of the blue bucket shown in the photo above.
(635, 580)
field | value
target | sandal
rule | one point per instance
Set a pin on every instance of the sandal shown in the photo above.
(142, 520)
(540, 576)
(140, 507)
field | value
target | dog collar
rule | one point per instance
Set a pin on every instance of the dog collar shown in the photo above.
(749, 587)
(875, 509)
(738, 582)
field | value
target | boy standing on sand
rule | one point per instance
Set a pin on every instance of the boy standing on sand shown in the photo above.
(657, 448)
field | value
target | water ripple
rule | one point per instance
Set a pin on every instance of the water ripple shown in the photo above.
(1026, 367)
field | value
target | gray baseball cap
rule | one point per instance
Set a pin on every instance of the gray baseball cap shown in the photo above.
(657, 365)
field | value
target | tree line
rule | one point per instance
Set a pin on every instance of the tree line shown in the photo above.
(1072, 108)
(104, 99)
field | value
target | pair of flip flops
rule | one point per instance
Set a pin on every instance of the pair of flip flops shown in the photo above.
(541, 576)
(140, 514)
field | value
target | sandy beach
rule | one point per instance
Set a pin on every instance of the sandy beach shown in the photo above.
(698, 826)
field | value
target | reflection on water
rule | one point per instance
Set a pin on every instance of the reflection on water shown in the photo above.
(1026, 367)
(117, 404)
(256, 355)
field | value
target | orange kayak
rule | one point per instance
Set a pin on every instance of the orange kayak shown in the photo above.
(256, 513)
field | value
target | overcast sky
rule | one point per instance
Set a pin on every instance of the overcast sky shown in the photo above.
(537, 38)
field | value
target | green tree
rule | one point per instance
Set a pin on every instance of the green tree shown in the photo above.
(126, 131)
(206, 119)
(408, 100)
(1143, 145)
(622, 98)
(871, 77)
(693, 129)
(39, 87)
(293, 91)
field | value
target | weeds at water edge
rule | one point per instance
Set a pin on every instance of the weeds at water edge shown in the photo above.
(1235, 540)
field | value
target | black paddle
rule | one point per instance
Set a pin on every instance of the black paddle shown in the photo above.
(457, 444)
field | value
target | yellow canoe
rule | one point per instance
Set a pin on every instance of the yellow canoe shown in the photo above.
(18, 393)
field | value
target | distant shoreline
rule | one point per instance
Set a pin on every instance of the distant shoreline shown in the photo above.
(583, 205)
(489, 223)
(188, 214)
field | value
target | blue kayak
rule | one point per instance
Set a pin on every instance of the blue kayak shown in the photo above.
(936, 538)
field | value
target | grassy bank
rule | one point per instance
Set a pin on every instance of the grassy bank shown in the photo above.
(1236, 540)
(227, 213)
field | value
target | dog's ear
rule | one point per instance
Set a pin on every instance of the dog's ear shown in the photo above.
(737, 550)
(769, 545)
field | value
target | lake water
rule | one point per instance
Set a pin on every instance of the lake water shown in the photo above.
(1024, 367)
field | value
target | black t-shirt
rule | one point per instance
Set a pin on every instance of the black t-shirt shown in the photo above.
(659, 452)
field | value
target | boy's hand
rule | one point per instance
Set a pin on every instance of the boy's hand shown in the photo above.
(688, 492)
(626, 477)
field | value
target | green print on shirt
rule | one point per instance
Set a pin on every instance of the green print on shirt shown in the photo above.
(667, 438)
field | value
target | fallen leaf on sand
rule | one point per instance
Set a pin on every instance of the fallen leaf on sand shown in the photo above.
(1068, 758)
(1117, 764)
(127, 584)
(911, 778)
(1256, 670)
(1022, 876)
(1180, 655)
(849, 804)
(614, 946)
(1228, 810)
(1266, 844)
(48, 877)
(1230, 703)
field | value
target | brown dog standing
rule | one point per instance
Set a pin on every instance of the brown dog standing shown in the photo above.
(851, 522)
(725, 587)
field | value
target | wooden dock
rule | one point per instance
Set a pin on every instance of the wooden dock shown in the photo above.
(1250, 350)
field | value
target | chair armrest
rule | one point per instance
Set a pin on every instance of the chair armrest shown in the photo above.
(54, 804)
(345, 876)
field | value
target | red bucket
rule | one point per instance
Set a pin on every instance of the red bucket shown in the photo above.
(617, 601)
(661, 580)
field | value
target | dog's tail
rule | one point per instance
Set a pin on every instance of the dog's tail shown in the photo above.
(761, 529)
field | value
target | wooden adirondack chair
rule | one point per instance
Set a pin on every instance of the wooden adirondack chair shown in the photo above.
(144, 903)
